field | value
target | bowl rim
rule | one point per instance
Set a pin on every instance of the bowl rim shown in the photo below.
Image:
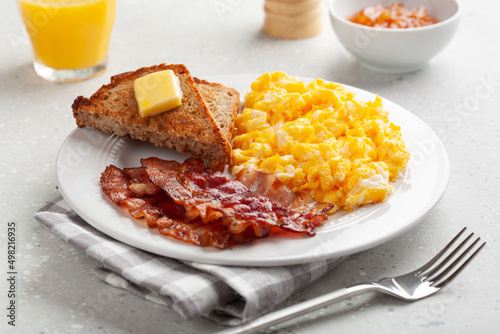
(452, 18)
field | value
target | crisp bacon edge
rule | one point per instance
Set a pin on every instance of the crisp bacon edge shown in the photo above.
(197, 205)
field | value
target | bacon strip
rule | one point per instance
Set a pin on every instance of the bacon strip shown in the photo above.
(159, 210)
(205, 193)
(200, 206)
(268, 185)
(271, 186)
(305, 202)
(114, 183)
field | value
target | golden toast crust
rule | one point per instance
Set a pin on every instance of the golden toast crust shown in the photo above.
(224, 103)
(189, 128)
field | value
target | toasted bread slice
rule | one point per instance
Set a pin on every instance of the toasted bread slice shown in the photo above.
(189, 128)
(224, 103)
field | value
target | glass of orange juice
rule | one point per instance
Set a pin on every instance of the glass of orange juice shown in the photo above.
(70, 38)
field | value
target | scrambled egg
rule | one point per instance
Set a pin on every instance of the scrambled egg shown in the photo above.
(317, 137)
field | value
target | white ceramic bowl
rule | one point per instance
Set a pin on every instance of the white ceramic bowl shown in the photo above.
(395, 50)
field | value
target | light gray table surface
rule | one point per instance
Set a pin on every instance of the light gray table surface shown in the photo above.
(56, 292)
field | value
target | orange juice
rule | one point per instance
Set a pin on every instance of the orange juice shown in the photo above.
(69, 34)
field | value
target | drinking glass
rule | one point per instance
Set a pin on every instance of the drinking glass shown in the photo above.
(70, 38)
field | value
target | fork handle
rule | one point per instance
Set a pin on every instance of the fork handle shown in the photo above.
(300, 309)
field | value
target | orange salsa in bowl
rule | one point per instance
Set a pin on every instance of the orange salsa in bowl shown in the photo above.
(393, 16)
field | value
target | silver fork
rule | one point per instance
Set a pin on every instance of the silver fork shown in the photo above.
(418, 284)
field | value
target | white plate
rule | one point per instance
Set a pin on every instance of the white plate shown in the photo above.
(86, 153)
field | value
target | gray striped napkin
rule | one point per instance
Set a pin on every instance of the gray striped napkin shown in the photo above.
(227, 294)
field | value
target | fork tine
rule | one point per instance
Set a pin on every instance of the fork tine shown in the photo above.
(444, 267)
(429, 264)
(440, 283)
(438, 267)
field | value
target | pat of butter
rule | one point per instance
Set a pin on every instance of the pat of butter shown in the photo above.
(157, 92)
